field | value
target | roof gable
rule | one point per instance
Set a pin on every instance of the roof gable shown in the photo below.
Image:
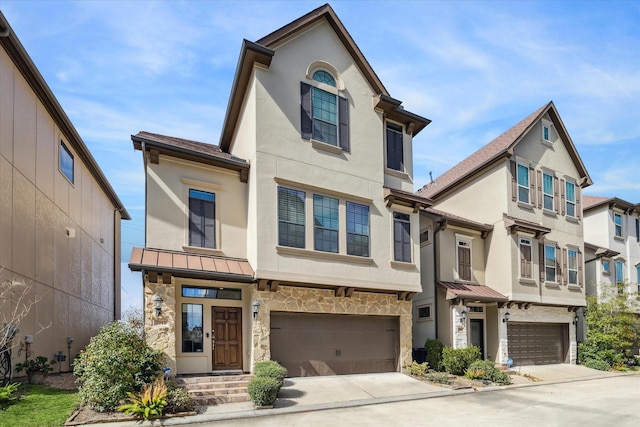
(261, 54)
(501, 147)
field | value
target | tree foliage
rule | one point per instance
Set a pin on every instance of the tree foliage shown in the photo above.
(612, 328)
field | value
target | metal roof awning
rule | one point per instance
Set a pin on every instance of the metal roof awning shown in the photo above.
(186, 264)
(471, 291)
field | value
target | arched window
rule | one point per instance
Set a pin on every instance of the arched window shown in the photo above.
(324, 77)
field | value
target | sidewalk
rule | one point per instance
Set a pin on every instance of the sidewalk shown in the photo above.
(342, 391)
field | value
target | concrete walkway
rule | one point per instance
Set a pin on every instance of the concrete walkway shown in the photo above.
(342, 391)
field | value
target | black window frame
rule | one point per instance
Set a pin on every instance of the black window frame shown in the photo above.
(286, 224)
(66, 155)
(202, 219)
(394, 134)
(401, 237)
(196, 345)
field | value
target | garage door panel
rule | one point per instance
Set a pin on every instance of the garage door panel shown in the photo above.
(537, 343)
(318, 344)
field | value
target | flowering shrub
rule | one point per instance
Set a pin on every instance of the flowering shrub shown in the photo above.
(39, 364)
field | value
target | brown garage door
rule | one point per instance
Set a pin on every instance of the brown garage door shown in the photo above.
(321, 344)
(538, 343)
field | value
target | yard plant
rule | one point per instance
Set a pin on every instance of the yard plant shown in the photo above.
(268, 378)
(149, 402)
(612, 329)
(486, 370)
(433, 350)
(117, 361)
(8, 395)
(456, 360)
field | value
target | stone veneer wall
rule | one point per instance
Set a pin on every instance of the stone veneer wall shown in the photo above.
(160, 331)
(324, 301)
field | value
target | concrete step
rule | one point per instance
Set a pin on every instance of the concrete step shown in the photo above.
(212, 379)
(217, 391)
(215, 385)
(219, 400)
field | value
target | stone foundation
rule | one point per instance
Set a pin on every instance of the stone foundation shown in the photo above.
(324, 301)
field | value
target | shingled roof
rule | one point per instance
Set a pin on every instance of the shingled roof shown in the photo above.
(501, 147)
(592, 202)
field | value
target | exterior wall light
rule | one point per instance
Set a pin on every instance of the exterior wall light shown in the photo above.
(507, 315)
(463, 316)
(28, 339)
(157, 305)
(576, 319)
(255, 308)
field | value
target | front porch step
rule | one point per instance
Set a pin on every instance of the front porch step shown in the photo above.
(216, 390)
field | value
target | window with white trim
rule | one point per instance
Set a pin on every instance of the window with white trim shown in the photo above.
(463, 257)
(547, 189)
(523, 183)
(401, 237)
(619, 271)
(606, 269)
(638, 277)
(570, 198)
(617, 222)
(546, 133)
(202, 219)
(525, 258)
(572, 266)
(550, 263)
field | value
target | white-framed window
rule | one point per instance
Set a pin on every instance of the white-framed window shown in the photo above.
(606, 266)
(550, 263)
(66, 162)
(424, 312)
(570, 198)
(619, 271)
(401, 237)
(425, 236)
(572, 266)
(638, 277)
(202, 219)
(395, 147)
(546, 132)
(463, 258)
(548, 191)
(523, 183)
(525, 246)
(617, 223)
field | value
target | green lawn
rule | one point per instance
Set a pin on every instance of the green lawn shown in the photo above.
(40, 406)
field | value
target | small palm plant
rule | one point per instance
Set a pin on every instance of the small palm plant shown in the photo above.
(149, 402)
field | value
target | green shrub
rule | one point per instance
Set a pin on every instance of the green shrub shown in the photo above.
(263, 390)
(457, 360)
(39, 364)
(270, 369)
(438, 377)
(486, 370)
(149, 402)
(178, 399)
(433, 349)
(600, 365)
(117, 361)
(418, 369)
(8, 394)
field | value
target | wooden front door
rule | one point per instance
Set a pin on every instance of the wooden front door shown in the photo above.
(227, 338)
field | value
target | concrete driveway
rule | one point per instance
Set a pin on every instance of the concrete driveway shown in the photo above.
(555, 373)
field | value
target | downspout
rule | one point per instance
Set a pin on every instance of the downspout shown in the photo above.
(435, 278)
(142, 272)
(117, 260)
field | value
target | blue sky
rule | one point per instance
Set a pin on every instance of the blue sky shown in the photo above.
(473, 68)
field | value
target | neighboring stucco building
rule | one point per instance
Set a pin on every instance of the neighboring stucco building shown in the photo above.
(60, 224)
(527, 185)
(297, 237)
(612, 244)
